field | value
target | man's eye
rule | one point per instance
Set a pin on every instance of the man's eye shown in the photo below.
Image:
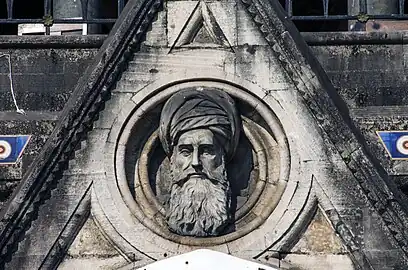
(208, 150)
(185, 152)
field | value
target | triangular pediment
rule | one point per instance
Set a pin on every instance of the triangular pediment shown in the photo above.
(299, 144)
(201, 29)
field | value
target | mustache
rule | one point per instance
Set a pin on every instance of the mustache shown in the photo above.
(186, 177)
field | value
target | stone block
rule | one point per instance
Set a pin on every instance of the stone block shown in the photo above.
(247, 31)
(111, 110)
(89, 159)
(91, 242)
(320, 262)
(11, 171)
(157, 36)
(6, 189)
(43, 79)
(381, 57)
(319, 237)
(225, 15)
(178, 13)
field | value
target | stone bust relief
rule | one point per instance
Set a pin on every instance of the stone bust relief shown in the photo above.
(199, 131)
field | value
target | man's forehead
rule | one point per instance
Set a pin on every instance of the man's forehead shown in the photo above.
(197, 136)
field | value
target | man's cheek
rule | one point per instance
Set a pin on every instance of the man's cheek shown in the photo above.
(212, 163)
(181, 164)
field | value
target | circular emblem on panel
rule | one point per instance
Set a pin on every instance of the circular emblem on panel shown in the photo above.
(202, 162)
(402, 145)
(5, 149)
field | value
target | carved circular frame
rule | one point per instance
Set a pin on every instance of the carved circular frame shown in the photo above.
(145, 206)
(118, 214)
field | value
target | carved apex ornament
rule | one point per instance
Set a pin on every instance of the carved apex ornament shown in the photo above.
(201, 163)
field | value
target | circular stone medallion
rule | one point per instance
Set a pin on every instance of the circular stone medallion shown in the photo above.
(253, 173)
(131, 202)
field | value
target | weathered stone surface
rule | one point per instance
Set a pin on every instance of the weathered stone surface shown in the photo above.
(319, 237)
(336, 60)
(90, 249)
(366, 75)
(6, 189)
(52, 233)
(330, 161)
(43, 79)
(319, 262)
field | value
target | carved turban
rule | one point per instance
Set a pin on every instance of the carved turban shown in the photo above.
(193, 108)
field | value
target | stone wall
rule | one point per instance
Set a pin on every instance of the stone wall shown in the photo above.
(369, 70)
(44, 72)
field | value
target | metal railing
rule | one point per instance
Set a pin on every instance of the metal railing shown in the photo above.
(362, 15)
(48, 19)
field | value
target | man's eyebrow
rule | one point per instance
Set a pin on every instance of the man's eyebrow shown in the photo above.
(207, 144)
(185, 145)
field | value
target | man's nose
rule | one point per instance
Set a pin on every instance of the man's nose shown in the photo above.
(196, 162)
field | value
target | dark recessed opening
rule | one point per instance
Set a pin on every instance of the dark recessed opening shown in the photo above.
(316, 8)
(34, 9)
(108, 10)
(6, 29)
(321, 26)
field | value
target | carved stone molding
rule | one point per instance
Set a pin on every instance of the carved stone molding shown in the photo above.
(271, 169)
(201, 20)
(126, 204)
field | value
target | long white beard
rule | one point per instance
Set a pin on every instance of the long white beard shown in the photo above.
(200, 207)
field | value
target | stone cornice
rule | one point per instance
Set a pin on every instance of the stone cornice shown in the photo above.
(311, 38)
(355, 38)
(52, 42)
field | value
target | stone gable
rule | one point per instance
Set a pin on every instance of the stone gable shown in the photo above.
(312, 186)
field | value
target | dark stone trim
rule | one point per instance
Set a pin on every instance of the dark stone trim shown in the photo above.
(354, 38)
(69, 233)
(311, 38)
(332, 115)
(379, 111)
(54, 42)
(77, 118)
(29, 116)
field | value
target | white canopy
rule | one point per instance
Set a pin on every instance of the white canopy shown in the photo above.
(204, 259)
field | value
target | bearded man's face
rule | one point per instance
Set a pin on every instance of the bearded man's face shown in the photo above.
(200, 198)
